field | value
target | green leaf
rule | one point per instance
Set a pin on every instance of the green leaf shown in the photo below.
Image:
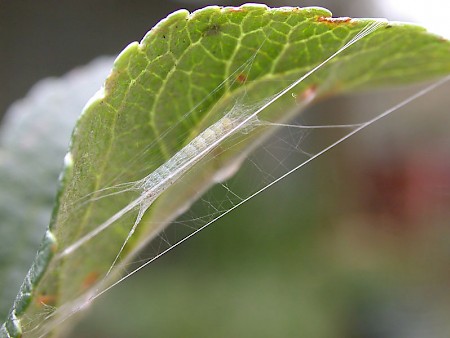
(186, 75)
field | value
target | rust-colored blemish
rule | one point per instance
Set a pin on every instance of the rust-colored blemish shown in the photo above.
(234, 9)
(334, 21)
(90, 280)
(46, 300)
(307, 95)
(241, 78)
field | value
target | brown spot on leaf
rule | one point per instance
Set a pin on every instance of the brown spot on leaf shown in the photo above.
(46, 300)
(241, 78)
(234, 9)
(307, 95)
(90, 280)
(334, 21)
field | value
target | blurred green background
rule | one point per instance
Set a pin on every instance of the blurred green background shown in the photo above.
(355, 244)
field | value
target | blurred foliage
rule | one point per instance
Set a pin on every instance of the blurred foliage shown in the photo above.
(33, 142)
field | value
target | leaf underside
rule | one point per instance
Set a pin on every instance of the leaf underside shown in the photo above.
(186, 73)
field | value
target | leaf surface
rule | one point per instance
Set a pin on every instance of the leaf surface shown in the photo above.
(188, 72)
